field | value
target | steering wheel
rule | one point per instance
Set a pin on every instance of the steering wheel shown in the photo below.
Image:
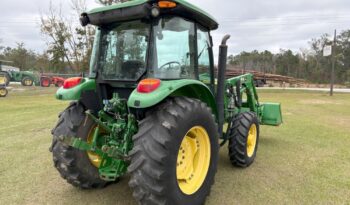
(169, 63)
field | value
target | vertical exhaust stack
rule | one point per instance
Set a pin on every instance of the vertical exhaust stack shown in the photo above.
(221, 82)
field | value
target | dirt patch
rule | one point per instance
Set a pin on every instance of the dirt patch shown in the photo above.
(320, 102)
(17, 89)
(341, 121)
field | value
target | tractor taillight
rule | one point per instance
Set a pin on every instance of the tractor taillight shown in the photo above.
(166, 4)
(71, 82)
(148, 85)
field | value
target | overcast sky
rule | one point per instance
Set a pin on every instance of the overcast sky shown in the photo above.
(256, 24)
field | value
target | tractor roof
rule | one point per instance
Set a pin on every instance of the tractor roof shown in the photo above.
(138, 9)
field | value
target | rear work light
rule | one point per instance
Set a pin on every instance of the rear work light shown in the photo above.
(148, 85)
(166, 4)
(72, 82)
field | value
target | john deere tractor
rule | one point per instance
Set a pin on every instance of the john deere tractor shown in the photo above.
(152, 106)
(13, 74)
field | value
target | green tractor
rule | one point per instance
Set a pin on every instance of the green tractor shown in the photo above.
(153, 108)
(12, 74)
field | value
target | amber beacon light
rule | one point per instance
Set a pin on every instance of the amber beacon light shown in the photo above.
(166, 4)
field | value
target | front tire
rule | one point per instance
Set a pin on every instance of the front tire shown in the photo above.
(3, 92)
(156, 173)
(59, 83)
(45, 82)
(27, 81)
(244, 138)
(75, 165)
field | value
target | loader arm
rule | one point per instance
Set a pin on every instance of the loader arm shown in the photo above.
(242, 92)
(245, 84)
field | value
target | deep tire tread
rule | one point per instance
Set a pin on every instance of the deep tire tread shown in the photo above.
(148, 156)
(237, 143)
(64, 157)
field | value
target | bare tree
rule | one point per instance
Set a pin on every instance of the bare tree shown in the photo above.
(84, 35)
(68, 42)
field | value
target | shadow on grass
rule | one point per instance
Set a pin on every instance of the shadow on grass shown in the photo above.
(115, 193)
(268, 141)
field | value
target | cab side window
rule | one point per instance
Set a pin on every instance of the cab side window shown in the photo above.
(203, 45)
(174, 51)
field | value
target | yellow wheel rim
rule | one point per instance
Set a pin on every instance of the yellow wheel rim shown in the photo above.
(94, 158)
(27, 81)
(251, 141)
(193, 160)
(2, 91)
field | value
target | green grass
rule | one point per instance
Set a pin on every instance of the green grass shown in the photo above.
(304, 161)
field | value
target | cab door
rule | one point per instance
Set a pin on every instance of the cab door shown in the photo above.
(204, 54)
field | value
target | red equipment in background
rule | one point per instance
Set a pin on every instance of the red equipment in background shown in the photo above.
(57, 79)
(46, 81)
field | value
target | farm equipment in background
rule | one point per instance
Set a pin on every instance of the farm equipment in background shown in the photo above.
(57, 79)
(29, 78)
(5, 71)
(46, 81)
(262, 78)
(151, 106)
(12, 74)
(3, 90)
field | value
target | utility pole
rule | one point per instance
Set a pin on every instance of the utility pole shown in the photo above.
(333, 61)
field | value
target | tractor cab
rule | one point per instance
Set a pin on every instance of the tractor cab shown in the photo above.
(165, 40)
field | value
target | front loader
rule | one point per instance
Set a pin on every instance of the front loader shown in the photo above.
(153, 108)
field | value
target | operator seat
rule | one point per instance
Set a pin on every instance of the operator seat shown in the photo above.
(132, 69)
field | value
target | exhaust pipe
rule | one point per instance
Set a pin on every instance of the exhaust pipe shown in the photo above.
(221, 82)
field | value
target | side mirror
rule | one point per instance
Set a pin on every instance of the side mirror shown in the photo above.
(84, 19)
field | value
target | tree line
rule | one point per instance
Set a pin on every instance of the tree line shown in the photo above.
(68, 45)
(309, 64)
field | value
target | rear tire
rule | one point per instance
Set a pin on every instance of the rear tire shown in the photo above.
(239, 153)
(154, 157)
(7, 77)
(73, 164)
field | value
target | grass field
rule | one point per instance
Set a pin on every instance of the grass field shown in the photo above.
(304, 161)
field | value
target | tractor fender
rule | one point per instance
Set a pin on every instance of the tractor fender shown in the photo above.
(172, 88)
(74, 93)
